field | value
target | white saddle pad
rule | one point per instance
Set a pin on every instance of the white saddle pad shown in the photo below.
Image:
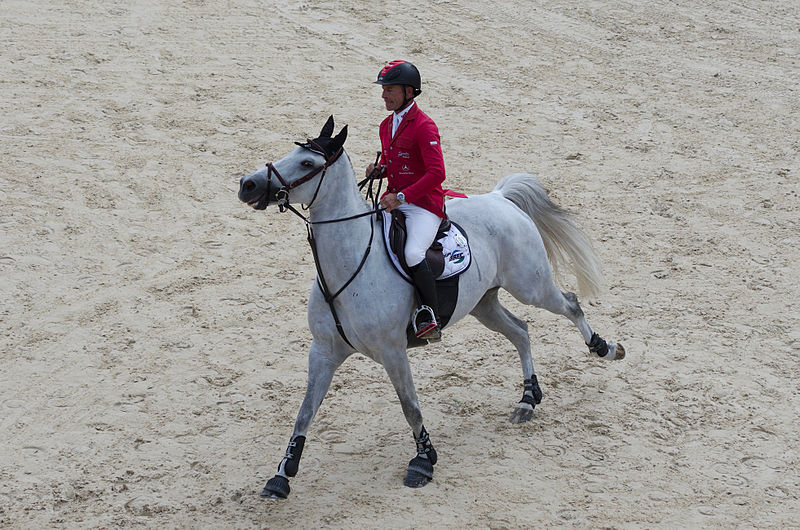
(455, 248)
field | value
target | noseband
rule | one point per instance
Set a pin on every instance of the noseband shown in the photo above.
(282, 195)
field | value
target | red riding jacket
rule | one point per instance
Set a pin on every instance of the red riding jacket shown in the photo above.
(413, 160)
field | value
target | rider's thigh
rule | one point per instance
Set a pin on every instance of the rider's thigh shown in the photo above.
(421, 228)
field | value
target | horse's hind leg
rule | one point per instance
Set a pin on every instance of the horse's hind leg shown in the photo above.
(549, 297)
(609, 351)
(494, 316)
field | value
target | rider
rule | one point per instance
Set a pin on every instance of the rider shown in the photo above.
(411, 159)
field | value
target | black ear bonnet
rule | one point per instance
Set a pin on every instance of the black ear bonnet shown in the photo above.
(324, 144)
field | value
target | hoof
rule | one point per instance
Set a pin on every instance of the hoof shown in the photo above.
(277, 488)
(415, 480)
(420, 472)
(620, 352)
(522, 412)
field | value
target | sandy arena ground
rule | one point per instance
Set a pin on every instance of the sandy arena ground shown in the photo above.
(153, 335)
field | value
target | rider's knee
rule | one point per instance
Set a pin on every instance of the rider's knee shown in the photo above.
(414, 255)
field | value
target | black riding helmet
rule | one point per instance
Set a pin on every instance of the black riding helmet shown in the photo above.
(400, 72)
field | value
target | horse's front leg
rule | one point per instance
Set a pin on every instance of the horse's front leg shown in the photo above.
(420, 468)
(321, 367)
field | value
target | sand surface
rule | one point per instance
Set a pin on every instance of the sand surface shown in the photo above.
(153, 335)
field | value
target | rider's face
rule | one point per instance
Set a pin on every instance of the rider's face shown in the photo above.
(394, 95)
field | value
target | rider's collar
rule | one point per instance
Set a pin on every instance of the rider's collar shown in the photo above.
(402, 114)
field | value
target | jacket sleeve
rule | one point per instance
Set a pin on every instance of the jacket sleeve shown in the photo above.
(429, 145)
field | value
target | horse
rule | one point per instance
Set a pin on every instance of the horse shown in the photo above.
(359, 303)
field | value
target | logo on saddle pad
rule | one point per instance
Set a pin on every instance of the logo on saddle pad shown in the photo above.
(457, 256)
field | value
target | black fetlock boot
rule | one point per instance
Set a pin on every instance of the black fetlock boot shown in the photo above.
(425, 324)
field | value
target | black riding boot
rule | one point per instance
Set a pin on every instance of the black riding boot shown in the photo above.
(426, 325)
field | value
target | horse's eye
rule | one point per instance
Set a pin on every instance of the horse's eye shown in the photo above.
(307, 163)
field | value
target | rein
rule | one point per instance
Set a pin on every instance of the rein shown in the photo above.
(283, 204)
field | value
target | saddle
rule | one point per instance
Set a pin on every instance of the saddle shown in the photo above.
(448, 255)
(397, 242)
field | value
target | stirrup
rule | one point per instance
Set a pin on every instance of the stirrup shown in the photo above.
(429, 330)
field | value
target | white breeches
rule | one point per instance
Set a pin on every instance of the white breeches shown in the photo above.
(421, 228)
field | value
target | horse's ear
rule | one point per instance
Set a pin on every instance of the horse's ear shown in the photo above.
(338, 142)
(327, 129)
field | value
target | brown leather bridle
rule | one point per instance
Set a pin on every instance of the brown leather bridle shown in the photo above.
(282, 195)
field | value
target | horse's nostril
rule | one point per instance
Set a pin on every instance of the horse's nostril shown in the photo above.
(249, 185)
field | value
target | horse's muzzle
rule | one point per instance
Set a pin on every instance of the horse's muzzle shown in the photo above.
(253, 193)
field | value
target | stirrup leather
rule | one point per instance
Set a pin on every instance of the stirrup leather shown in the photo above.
(430, 329)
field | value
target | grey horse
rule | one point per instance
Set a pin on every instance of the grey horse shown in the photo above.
(360, 303)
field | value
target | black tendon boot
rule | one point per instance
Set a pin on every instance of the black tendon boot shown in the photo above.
(425, 325)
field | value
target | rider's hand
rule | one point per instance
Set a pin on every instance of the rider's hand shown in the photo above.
(370, 168)
(390, 202)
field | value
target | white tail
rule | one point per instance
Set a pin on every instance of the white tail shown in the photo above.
(565, 243)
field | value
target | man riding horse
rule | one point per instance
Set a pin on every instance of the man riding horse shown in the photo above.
(519, 236)
(411, 160)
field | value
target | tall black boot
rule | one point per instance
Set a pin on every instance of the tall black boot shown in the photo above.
(425, 323)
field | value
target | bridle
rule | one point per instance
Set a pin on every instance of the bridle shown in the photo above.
(282, 195)
(282, 198)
